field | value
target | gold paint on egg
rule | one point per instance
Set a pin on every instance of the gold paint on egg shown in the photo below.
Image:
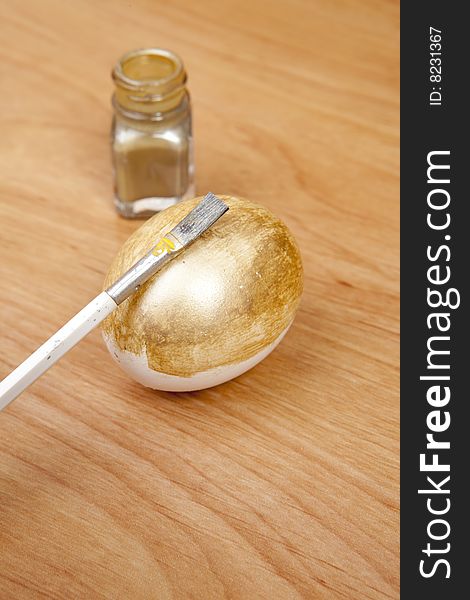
(220, 302)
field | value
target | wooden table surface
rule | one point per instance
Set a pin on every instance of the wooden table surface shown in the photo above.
(283, 483)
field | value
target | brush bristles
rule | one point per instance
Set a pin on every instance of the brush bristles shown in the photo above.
(199, 219)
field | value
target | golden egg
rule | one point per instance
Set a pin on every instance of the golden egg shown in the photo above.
(214, 311)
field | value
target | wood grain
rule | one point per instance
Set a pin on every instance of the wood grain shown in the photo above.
(282, 484)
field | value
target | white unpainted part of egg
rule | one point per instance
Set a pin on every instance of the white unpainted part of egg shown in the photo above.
(136, 366)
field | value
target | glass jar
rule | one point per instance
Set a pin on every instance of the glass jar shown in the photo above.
(151, 135)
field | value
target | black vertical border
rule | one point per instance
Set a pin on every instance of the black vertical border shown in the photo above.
(426, 128)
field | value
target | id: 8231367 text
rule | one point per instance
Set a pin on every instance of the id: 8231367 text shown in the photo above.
(435, 66)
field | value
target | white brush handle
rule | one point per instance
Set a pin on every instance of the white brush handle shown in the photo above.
(55, 347)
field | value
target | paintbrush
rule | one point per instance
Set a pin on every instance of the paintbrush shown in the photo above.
(180, 237)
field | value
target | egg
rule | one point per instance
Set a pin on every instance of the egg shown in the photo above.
(214, 311)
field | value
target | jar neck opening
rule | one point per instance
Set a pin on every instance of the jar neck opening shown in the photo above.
(149, 81)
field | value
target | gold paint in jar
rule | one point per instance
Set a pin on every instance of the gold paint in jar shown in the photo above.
(151, 136)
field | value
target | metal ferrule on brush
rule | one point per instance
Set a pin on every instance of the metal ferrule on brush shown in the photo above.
(190, 228)
(143, 269)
